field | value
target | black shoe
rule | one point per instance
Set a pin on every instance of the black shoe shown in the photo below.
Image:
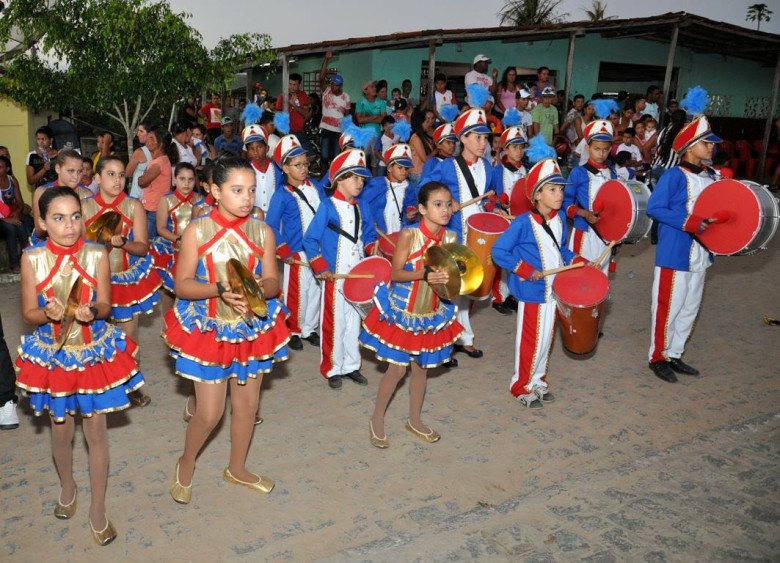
(503, 308)
(511, 302)
(313, 339)
(470, 353)
(334, 382)
(681, 367)
(357, 377)
(451, 363)
(663, 371)
(295, 342)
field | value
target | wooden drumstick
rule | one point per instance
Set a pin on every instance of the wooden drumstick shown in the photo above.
(384, 236)
(597, 262)
(476, 199)
(301, 263)
(563, 269)
(353, 276)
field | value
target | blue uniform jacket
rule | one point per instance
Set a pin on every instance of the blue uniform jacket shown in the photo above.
(577, 195)
(375, 194)
(284, 218)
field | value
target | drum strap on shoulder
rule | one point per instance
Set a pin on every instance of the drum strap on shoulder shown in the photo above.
(395, 199)
(464, 169)
(301, 195)
(548, 230)
(340, 231)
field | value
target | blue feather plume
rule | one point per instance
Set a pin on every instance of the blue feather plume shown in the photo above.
(449, 113)
(478, 95)
(402, 129)
(538, 149)
(604, 107)
(511, 117)
(282, 122)
(362, 137)
(695, 100)
(251, 114)
(346, 123)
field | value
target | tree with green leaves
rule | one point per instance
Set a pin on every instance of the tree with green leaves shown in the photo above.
(121, 58)
(758, 13)
(519, 13)
(598, 11)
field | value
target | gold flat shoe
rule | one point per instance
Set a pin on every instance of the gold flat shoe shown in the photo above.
(258, 420)
(432, 437)
(65, 511)
(187, 416)
(104, 536)
(263, 485)
(376, 441)
(179, 492)
(139, 398)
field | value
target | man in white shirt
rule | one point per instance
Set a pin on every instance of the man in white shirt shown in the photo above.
(522, 97)
(478, 75)
(335, 106)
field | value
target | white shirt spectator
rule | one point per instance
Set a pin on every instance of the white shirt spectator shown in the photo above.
(474, 77)
(334, 108)
(636, 154)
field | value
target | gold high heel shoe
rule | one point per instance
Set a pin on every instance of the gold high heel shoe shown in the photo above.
(263, 485)
(104, 536)
(179, 492)
(430, 438)
(376, 441)
(65, 511)
(187, 414)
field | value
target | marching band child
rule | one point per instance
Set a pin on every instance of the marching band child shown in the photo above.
(410, 325)
(268, 176)
(174, 213)
(210, 336)
(585, 182)
(334, 242)
(533, 243)
(74, 362)
(392, 197)
(446, 142)
(681, 261)
(135, 283)
(290, 214)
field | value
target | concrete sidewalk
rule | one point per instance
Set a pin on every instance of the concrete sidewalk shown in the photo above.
(622, 467)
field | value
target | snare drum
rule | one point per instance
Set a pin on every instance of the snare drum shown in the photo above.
(360, 291)
(484, 230)
(580, 296)
(750, 217)
(385, 247)
(622, 209)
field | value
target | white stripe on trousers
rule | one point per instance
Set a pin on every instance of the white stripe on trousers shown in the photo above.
(464, 318)
(343, 334)
(309, 294)
(684, 297)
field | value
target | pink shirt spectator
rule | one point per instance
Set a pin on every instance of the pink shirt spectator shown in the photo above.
(160, 186)
(334, 109)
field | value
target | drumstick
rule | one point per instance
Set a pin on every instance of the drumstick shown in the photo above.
(384, 236)
(563, 269)
(597, 262)
(476, 199)
(353, 276)
(301, 263)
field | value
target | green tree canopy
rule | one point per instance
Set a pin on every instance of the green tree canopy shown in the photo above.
(117, 57)
(530, 12)
(758, 13)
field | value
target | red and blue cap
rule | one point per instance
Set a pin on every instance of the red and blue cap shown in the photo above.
(444, 132)
(252, 134)
(513, 136)
(350, 160)
(400, 154)
(697, 130)
(543, 172)
(598, 130)
(472, 121)
(287, 147)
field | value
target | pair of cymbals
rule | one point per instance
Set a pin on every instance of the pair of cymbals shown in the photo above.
(69, 316)
(104, 227)
(462, 266)
(243, 282)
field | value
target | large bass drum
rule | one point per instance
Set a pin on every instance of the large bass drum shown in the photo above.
(622, 209)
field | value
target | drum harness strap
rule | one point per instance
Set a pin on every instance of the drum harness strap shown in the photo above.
(464, 169)
(548, 230)
(300, 194)
(698, 170)
(339, 231)
(596, 172)
(397, 206)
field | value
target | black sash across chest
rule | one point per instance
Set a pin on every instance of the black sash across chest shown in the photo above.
(338, 230)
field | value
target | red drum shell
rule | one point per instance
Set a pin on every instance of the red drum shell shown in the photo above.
(580, 295)
(360, 291)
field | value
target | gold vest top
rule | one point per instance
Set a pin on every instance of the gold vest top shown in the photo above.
(180, 211)
(55, 274)
(94, 207)
(220, 240)
(423, 301)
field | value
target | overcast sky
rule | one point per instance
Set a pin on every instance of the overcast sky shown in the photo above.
(310, 21)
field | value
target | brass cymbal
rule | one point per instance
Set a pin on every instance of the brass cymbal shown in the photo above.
(69, 316)
(441, 260)
(469, 267)
(243, 282)
(104, 227)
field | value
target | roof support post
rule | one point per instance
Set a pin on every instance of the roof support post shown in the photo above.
(569, 65)
(431, 73)
(770, 117)
(285, 81)
(668, 74)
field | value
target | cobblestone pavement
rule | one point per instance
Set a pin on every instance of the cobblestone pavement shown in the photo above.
(622, 467)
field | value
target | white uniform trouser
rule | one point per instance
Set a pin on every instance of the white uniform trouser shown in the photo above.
(676, 300)
(588, 245)
(339, 330)
(533, 341)
(464, 305)
(302, 295)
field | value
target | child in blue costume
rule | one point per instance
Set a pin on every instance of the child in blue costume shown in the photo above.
(90, 369)
(410, 324)
(392, 198)
(135, 283)
(212, 339)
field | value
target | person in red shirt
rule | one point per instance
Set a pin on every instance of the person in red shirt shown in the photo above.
(212, 114)
(298, 108)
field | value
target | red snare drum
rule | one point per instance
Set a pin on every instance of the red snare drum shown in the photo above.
(622, 209)
(746, 216)
(386, 248)
(580, 295)
(518, 201)
(484, 230)
(360, 291)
